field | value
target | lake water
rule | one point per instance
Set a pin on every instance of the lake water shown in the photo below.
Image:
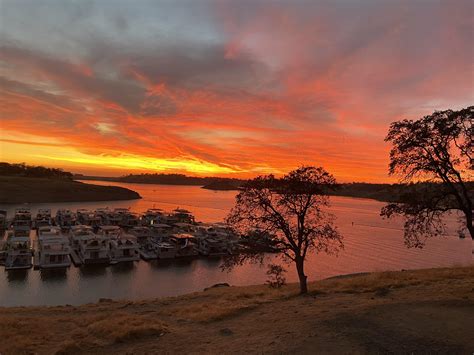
(371, 244)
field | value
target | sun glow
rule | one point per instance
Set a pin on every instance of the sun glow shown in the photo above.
(130, 162)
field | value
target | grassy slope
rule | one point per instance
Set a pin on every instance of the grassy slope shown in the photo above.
(401, 312)
(21, 190)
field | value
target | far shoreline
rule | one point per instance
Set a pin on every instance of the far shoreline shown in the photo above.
(21, 190)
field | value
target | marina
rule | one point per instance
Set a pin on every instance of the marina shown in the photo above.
(108, 236)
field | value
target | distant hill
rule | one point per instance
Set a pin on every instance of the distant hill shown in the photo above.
(165, 179)
(224, 184)
(15, 189)
(380, 192)
(23, 170)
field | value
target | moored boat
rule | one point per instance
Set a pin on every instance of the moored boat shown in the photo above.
(52, 248)
(123, 248)
(90, 247)
(43, 218)
(18, 251)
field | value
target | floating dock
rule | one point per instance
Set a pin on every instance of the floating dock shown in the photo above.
(147, 256)
(36, 260)
(75, 258)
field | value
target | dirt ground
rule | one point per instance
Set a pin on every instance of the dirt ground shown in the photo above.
(425, 311)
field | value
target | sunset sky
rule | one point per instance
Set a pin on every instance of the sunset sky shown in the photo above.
(225, 88)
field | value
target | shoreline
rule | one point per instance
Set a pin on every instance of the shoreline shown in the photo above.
(372, 313)
(23, 190)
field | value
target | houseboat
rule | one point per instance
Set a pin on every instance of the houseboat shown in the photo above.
(161, 230)
(163, 249)
(52, 249)
(18, 251)
(109, 232)
(211, 246)
(102, 214)
(3, 251)
(152, 216)
(43, 218)
(185, 245)
(3, 222)
(65, 219)
(123, 248)
(114, 218)
(90, 247)
(130, 220)
(21, 227)
(180, 215)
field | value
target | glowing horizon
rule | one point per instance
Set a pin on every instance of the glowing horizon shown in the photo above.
(225, 88)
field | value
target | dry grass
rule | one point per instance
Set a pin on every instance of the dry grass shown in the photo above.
(154, 325)
(392, 280)
(44, 331)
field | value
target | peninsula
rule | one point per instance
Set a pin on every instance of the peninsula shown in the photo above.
(20, 183)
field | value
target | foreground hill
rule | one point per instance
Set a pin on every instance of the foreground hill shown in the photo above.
(425, 311)
(15, 189)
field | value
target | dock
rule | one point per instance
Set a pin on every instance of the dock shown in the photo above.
(75, 258)
(147, 256)
(36, 260)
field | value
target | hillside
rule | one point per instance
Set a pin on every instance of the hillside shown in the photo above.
(14, 189)
(424, 311)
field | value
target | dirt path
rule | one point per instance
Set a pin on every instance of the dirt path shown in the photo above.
(417, 311)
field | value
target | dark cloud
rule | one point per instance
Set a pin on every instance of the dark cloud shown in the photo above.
(79, 78)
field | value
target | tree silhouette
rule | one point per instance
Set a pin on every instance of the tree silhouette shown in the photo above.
(285, 215)
(434, 155)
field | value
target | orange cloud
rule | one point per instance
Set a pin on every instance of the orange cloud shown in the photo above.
(277, 85)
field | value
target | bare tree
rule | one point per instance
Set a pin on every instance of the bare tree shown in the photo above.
(286, 215)
(434, 155)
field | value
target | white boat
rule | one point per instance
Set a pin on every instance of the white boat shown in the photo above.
(21, 223)
(43, 218)
(3, 251)
(152, 216)
(143, 234)
(53, 248)
(65, 219)
(109, 232)
(88, 218)
(161, 230)
(90, 247)
(124, 248)
(180, 215)
(130, 220)
(163, 249)
(183, 216)
(185, 245)
(18, 251)
(114, 218)
(3, 221)
(209, 246)
(102, 214)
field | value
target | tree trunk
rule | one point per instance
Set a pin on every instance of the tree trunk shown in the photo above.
(469, 221)
(301, 275)
(470, 228)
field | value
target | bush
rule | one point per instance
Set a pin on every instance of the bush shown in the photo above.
(276, 278)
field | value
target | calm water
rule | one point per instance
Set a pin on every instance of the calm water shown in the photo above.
(371, 244)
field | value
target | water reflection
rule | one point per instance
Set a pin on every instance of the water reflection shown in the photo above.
(92, 270)
(53, 275)
(213, 261)
(17, 276)
(123, 268)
